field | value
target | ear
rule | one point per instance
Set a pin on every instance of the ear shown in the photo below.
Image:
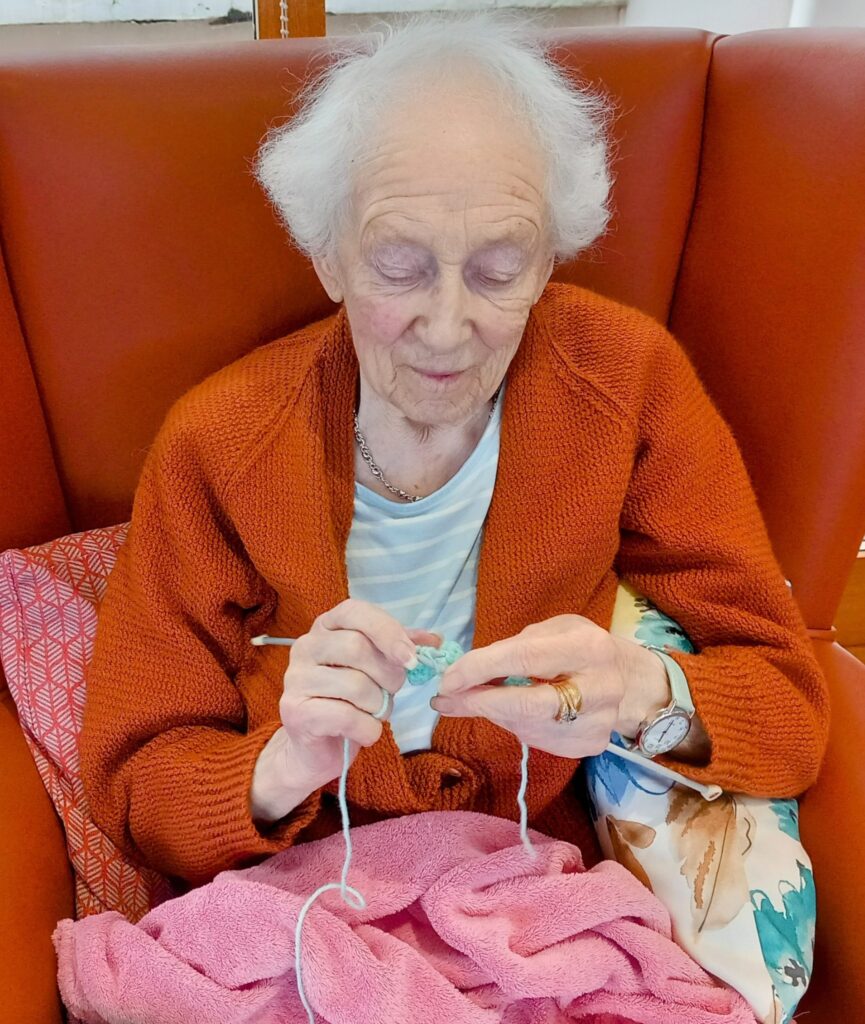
(328, 273)
(545, 275)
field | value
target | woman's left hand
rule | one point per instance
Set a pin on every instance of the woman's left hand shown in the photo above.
(618, 680)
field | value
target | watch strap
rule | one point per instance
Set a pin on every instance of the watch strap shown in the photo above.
(678, 681)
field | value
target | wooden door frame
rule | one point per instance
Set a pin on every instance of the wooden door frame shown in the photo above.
(298, 18)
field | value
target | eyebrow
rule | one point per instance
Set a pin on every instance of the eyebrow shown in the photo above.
(504, 241)
(520, 235)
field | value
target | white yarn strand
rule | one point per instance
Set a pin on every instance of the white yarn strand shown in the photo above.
(350, 896)
(521, 802)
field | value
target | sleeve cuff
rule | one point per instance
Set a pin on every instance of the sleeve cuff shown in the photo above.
(207, 823)
(764, 748)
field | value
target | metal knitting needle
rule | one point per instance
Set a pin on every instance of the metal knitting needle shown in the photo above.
(710, 792)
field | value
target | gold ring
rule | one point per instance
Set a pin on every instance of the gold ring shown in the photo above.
(570, 698)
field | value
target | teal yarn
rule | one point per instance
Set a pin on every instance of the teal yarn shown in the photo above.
(432, 662)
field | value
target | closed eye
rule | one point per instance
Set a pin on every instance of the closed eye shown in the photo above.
(397, 278)
(493, 281)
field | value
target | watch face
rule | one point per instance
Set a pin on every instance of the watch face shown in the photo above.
(665, 733)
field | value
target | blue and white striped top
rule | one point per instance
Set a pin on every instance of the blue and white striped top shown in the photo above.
(419, 561)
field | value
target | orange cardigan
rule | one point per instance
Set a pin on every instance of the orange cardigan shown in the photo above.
(614, 463)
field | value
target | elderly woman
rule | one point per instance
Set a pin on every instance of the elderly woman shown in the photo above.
(463, 450)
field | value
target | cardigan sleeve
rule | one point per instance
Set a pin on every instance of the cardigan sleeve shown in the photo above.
(693, 541)
(167, 751)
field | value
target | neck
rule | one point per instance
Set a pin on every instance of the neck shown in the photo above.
(417, 457)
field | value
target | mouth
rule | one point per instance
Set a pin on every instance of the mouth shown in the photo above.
(438, 376)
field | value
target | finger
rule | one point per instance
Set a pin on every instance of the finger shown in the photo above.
(424, 637)
(320, 717)
(349, 648)
(521, 655)
(531, 653)
(529, 713)
(382, 629)
(501, 704)
(345, 684)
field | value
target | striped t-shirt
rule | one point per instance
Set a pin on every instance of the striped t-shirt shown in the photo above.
(419, 562)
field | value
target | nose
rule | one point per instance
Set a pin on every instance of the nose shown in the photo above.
(445, 323)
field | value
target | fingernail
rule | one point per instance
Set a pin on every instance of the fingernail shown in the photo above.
(405, 655)
(442, 705)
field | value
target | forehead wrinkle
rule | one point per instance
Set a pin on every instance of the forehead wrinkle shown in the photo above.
(415, 168)
(419, 186)
(521, 232)
(482, 224)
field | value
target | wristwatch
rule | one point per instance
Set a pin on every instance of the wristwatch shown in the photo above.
(671, 724)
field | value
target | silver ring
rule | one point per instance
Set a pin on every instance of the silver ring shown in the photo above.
(385, 704)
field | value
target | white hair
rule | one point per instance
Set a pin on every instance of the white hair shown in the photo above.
(304, 164)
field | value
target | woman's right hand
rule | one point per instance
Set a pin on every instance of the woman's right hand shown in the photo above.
(332, 688)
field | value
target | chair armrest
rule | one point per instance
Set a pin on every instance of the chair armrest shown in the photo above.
(833, 832)
(35, 881)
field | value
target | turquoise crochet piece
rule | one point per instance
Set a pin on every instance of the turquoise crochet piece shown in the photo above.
(432, 661)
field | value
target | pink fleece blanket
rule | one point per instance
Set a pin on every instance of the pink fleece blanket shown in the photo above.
(461, 926)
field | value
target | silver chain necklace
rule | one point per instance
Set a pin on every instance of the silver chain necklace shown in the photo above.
(366, 454)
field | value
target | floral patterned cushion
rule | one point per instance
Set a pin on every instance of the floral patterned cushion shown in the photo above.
(49, 595)
(731, 871)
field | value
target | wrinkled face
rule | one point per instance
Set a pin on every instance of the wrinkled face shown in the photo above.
(447, 253)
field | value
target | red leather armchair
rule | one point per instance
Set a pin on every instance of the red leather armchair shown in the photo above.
(138, 255)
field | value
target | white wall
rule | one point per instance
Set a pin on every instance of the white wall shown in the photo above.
(725, 16)
(27, 12)
(827, 12)
(392, 6)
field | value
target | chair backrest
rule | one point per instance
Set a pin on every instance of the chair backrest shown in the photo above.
(138, 255)
(770, 300)
(141, 256)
